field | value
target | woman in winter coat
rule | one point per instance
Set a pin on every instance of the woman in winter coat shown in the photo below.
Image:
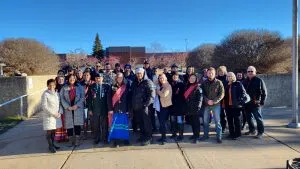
(193, 96)
(51, 116)
(235, 98)
(177, 110)
(165, 97)
(72, 100)
(120, 100)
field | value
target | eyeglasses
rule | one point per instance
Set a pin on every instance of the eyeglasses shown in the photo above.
(250, 71)
(98, 66)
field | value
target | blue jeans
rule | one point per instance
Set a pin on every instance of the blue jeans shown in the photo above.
(163, 116)
(256, 112)
(216, 109)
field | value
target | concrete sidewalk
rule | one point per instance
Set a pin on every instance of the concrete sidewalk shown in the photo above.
(25, 147)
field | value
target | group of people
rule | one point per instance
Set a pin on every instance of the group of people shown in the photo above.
(86, 99)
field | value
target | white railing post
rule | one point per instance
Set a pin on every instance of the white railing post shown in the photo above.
(21, 107)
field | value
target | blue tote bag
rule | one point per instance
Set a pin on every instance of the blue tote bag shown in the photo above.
(119, 128)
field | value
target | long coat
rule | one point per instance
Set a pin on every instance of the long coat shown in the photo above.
(177, 98)
(99, 102)
(79, 101)
(50, 106)
(194, 101)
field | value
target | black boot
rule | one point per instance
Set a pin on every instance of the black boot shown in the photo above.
(52, 139)
(51, 148)
(174, 130)
(180, 128)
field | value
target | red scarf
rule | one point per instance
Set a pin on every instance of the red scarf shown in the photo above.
(188, 92)
(117, 96)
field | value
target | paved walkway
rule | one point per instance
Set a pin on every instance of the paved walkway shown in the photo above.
(25, 147)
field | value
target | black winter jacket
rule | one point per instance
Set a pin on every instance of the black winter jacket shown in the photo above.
(239, 95)
(143, 93)
(257, 91)
(194, 102)
(177, 98)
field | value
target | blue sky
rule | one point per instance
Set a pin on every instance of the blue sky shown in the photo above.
(65, 25)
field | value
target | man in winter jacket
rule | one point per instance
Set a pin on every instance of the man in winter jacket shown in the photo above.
(143, 94)
(257, 90)
(213, 91)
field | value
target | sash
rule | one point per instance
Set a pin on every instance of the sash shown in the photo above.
(117, 96)
(188, 92)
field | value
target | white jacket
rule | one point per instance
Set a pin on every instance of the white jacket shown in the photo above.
(50, 106)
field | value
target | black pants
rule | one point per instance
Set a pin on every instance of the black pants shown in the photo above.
(77, 131)
(234, 121)
(244, 120)
(223, 119)
(143, 119)
(195, 122)
(100, 127)
(163, 117)
(152, 114)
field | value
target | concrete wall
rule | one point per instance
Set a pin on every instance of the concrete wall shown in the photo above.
(12, 87)
(279, 92)
(279, 88)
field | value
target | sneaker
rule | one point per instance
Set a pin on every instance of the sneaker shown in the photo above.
(52, 149)
(259, 136)
(139, 140)
(146, 143)
(236, 138)
(192, 137)
(252, 133)
(195, 141)
(219, 140)
(204, 138)
(96, 141)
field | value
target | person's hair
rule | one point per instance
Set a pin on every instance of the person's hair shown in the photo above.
(50, 81)
(223, 69)
(191, 76)
(60, 71)
(87, 72)
(232, 76)
(119, 73)
(75, 80)
(164, 76)
(211, 69)
(192, 68)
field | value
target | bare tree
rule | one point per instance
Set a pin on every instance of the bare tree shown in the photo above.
(259, 48)
(28, 56)
(201, 57)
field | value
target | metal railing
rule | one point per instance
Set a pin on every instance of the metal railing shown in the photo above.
(21, 98)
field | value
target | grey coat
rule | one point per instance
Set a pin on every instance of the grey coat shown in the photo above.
(79, 101)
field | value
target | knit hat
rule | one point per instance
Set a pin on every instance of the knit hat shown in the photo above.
(139, 70)
(127, 66)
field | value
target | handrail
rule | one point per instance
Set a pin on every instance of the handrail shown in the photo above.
(21, 101)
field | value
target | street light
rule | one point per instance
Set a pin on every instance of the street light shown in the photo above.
(295, 122)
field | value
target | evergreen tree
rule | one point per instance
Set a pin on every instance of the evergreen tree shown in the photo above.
(97, 48)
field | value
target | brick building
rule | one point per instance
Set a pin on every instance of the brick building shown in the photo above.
(127, 54)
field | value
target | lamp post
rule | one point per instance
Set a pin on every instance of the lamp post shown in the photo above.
(295, 122)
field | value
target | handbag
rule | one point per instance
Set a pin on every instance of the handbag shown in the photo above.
(119, 128)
